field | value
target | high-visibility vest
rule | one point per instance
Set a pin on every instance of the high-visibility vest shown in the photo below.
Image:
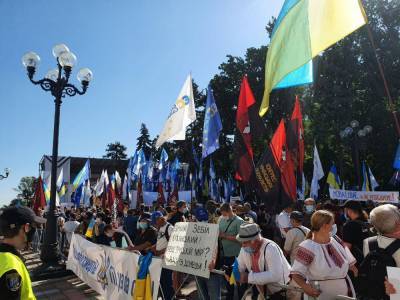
(9, 261)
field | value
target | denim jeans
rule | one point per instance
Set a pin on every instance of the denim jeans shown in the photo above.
(209, 289)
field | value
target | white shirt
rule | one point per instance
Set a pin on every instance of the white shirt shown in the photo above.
(162, 242)
(293, 239)
(69, 228)
(283, 221)
(383, 242)
(275, 267)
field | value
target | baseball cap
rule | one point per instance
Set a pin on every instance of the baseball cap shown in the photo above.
(145, 217)
(13, 216)
(154, 216)
(201, 214)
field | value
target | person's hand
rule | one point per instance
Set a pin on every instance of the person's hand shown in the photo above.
(211, 266)
(354, 269)
(389, 288)
(311, 291)
(244, 277)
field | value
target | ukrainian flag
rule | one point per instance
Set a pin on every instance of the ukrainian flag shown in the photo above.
(303, 30)
(235, 275)
(333, 178)
(143, 281)
(366, 183)
(89, 230)
(82, 176)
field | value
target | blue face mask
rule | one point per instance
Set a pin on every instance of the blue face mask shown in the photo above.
(249, 250)
(143, 226)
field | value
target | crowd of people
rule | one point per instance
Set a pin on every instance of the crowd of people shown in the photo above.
(317, 250)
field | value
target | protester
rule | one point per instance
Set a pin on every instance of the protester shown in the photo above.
(263, 260)
(164, 233)
(322, 262)
(250, 212)
(309, 208)
(70, 227)
(386, 221)
(229, 246)
(179, 216)
(283, 220)
(16, 230)
(147, 235)
(130, 223)
(296, 235)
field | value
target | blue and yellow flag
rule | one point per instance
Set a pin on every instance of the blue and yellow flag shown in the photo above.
(303, 30)
(366, 184)
(82, 176)
(143, 281)
(333, 178)
(235, 275)
(89, 230)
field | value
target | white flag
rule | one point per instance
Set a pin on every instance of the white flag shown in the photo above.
(182, 114)
(318, 174)
(99, 185)
(87, 193)
(60, 178)
(374, 183)
(118, 180)
(125, 188)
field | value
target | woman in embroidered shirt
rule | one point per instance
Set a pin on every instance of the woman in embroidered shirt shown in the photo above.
(323, 259)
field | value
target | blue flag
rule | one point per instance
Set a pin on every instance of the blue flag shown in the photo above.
(212, 125)
(140, 162)
(82, 176)
(162, 165)
(396, 163)
(212, 170)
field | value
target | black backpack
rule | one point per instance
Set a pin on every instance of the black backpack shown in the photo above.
(372, 271)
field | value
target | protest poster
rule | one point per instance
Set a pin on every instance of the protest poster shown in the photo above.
(191, 248)
(109, 271)
(381, 197)
(394, 279)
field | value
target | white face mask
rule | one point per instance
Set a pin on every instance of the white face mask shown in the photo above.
(334, 230)
(309, 208)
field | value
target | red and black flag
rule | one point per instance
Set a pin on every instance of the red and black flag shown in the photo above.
(160, 194)
(295, 139)
(273, 173)
(249, 127)
(139, 197)
(39, 198)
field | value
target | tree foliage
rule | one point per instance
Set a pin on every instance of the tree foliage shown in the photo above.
(26, 190)
(115, 151)
(143, 141)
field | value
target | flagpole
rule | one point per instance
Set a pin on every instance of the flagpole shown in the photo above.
(385, 83)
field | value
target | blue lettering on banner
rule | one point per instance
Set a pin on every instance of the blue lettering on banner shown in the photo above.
(89, 265)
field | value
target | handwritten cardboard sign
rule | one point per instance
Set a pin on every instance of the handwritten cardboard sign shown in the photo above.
(191, 248)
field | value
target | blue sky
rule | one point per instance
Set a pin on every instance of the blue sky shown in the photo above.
(140, 52)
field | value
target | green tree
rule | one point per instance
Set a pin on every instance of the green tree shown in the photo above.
(115, 151)
(26, 190)
(143, 141)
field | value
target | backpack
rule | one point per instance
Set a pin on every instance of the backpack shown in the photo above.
(166, 233)
(372, 271)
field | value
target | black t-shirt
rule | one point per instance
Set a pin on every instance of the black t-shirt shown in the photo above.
(10, 282)
(354, 233)
(177, 217)
(149, 235)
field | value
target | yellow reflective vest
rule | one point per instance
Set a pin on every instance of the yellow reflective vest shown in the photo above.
(8, 262)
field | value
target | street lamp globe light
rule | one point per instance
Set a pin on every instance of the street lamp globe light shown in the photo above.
(59, 49)
(85, 75)
(52, 74)
(354, 123)
(67, 59)
(368, 129)
(348, 131)
(30, 60)
(361, 133)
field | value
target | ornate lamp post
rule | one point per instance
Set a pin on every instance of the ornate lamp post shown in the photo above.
(55, 82)
(6, 173)
(357, 137)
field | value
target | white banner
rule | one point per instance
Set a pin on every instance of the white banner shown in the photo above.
(191, 248)
(109, 271)
(387, 197)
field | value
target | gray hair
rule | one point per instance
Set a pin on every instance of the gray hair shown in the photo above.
(385, 218)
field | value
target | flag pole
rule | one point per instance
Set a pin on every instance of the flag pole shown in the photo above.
(385, 83)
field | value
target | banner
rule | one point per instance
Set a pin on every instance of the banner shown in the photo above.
(386, 197)
(109, 271)
(150, 197)
(191, 248)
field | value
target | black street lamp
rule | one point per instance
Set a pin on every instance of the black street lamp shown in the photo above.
(6, 173)
(55, 82)
(357, 137)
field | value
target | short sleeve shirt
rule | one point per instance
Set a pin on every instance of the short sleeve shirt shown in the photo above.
(162, 241)
(230, 227)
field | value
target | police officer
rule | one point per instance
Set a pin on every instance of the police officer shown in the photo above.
(17, 226)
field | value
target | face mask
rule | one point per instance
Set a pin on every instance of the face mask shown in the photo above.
(309, 208)
(249, 250)
(143, 226)
(185, 210)
(98, 220)
(334, 230)
(109, 234)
